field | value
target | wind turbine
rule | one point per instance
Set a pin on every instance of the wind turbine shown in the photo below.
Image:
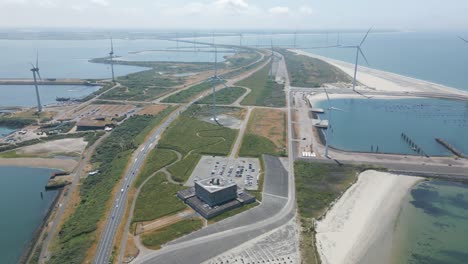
(329, 127)
(35, 70)
(214, 80)
(463, 39)
(240, 39)
(358, 51)
(111, 56)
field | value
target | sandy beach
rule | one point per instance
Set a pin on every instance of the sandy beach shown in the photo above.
(385, 81)
(62, 164)
(363, 218)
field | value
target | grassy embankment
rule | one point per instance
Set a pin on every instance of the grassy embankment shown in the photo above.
(265, 91)
(78, 232)
(265, 134)
(155, 239)
(305, 71)
(225, 96)
(317, 186)
(184, 96)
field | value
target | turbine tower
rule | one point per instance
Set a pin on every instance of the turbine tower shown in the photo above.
(111, 56)
(215, 78)
(35, 70)
(358, 51)
(329, 127)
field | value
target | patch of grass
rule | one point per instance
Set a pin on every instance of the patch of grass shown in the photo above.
(225, 96)
(305, 71)
(184, 96)
(193, 138)
(265, 92)
(156, 160)
(13, 155)
(155, 239)
(317, 186)
(157, 199)
(232, 212)
(111, 157)
(255, 146)
(182, 170)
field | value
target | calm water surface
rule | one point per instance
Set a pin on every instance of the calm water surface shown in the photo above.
(22, 208)
(433, 225)
(365, 124)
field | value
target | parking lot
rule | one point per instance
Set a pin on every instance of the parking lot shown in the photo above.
(243, 171)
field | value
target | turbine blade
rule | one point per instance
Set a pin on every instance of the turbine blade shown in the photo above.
(364, 39)
(463, 39)
(33, 67)
(328, 98)
(363, 56)
(39, 75)
(347, 47)
(37, 59)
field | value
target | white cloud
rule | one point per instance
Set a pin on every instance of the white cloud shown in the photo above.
(279, 10)
(306, 10)
(231, 5)
(100, 2)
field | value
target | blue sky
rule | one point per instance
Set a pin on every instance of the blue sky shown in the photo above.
(237, 14)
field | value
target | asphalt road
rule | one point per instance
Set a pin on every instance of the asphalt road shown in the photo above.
(118, 207)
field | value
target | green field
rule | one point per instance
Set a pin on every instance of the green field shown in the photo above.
(310, 72)
(157, 199)
(255, 146)
(224, 96)
(317, 186)
(265, 92)
(184, 96)
(111, 157)
(192, 138)
(155, 239)
(156, 160)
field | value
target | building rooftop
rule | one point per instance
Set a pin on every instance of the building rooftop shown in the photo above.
(215, 184)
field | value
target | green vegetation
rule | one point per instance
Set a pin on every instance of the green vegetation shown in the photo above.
(225, 96)
(192, 138)
(111, 157)
(24, 118)
(157, 199)
(317, 186)
(243, 69)
(265, 92)
(155, 239)
(157, 159)
(255, 145)
(184, 96)
(232, 212)
(57, 127)
(305, 71)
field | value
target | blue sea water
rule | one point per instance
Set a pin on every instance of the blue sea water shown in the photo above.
(22, 208)
(5, 131)
(25, 95)
(364, 124)
(439, 57)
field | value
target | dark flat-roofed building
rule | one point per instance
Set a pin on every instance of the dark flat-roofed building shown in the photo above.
(215, 191)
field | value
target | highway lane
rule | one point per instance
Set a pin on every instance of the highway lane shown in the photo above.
(118, 207)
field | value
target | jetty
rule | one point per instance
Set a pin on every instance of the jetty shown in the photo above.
(451, 148)
(415, 147)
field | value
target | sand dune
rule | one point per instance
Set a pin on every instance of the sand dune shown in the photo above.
(363, 216)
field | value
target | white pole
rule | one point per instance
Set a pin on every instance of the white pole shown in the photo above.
(355, 68)
(39, 105)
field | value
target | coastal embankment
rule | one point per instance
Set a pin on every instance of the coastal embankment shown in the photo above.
(62, 164)
(359, 226)
(378, 80)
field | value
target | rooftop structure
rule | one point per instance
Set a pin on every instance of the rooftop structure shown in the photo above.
(214, 191)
